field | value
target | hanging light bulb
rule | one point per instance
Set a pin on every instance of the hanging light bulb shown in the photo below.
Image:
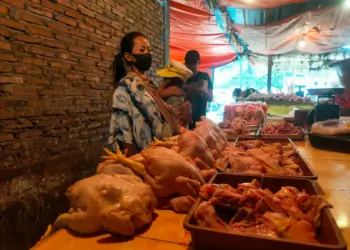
(302, 42)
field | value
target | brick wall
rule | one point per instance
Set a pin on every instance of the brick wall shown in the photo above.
(56, 85)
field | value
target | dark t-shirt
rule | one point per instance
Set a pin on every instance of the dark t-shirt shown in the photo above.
(197, 99)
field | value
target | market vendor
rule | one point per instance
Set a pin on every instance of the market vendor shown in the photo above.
(172, 89)
(199, 87)
(139, 114)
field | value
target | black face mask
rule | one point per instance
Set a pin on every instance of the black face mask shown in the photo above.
(143, 61)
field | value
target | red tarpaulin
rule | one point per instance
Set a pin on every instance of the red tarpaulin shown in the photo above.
(193, 27)
(257, 4)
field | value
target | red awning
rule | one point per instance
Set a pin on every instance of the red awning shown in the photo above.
(193, 27)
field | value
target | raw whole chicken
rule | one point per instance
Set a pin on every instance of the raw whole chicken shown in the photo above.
(119, 204)
(112, 168)
(201, 147)
(168, 174)
(212, 135)
(209, 123)
(194, 149)
(207, 135)
(193, 146)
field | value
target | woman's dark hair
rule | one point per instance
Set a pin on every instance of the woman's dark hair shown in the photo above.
(176, 81)
(126, 45)
(248, 92)
(236, 93)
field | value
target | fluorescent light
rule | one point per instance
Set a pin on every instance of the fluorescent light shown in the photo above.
(346, 47)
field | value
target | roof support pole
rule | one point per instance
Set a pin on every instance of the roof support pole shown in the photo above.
(269, 73)
(166, 23)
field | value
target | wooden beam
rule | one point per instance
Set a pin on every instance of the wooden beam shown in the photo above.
(166, 23)
(269, 72)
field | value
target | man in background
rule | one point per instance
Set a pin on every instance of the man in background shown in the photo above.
(237, 94)
(199, 87)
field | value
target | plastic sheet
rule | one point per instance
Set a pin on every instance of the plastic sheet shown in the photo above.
(192, 26)
(298, 33)
(331, 127)
(257, 4)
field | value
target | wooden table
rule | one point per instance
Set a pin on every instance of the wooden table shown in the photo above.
(167, 232)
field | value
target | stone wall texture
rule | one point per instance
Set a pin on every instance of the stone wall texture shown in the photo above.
(56, 84)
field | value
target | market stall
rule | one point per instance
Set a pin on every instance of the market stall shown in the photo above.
(167, 232)
(203, 185)
(245, 182)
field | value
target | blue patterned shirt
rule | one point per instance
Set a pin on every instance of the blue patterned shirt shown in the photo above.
(136, 118)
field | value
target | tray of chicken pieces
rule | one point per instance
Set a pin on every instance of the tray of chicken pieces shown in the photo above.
(281, 130)
(269, 213)
(239, 128)
(242, 120)
(268, 156)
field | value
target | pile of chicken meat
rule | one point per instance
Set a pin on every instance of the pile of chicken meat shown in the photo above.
(123, 195)
(249, 209)
(259, 157)
(281, 128)
(242, 119)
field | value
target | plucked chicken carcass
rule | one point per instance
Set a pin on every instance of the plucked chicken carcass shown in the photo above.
(193, 148)
(168, 173)
(206, 142)
(212, 135)
(209, 123)
(119, 204)
(289, 213)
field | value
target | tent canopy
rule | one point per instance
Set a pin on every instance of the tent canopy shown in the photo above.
(268, 27)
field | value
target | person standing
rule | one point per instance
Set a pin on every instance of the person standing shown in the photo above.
(172, 89)
(199, 87)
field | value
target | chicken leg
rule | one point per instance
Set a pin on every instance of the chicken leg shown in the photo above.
(78, 221)
(137, 167)
(167, 143)
(182, 204)
(185, 186)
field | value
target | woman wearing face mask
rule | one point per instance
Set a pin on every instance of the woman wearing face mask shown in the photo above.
(139, 114)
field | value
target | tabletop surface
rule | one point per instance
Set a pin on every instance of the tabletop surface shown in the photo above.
(166, 232)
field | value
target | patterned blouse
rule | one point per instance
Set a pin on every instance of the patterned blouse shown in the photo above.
(136, 118)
